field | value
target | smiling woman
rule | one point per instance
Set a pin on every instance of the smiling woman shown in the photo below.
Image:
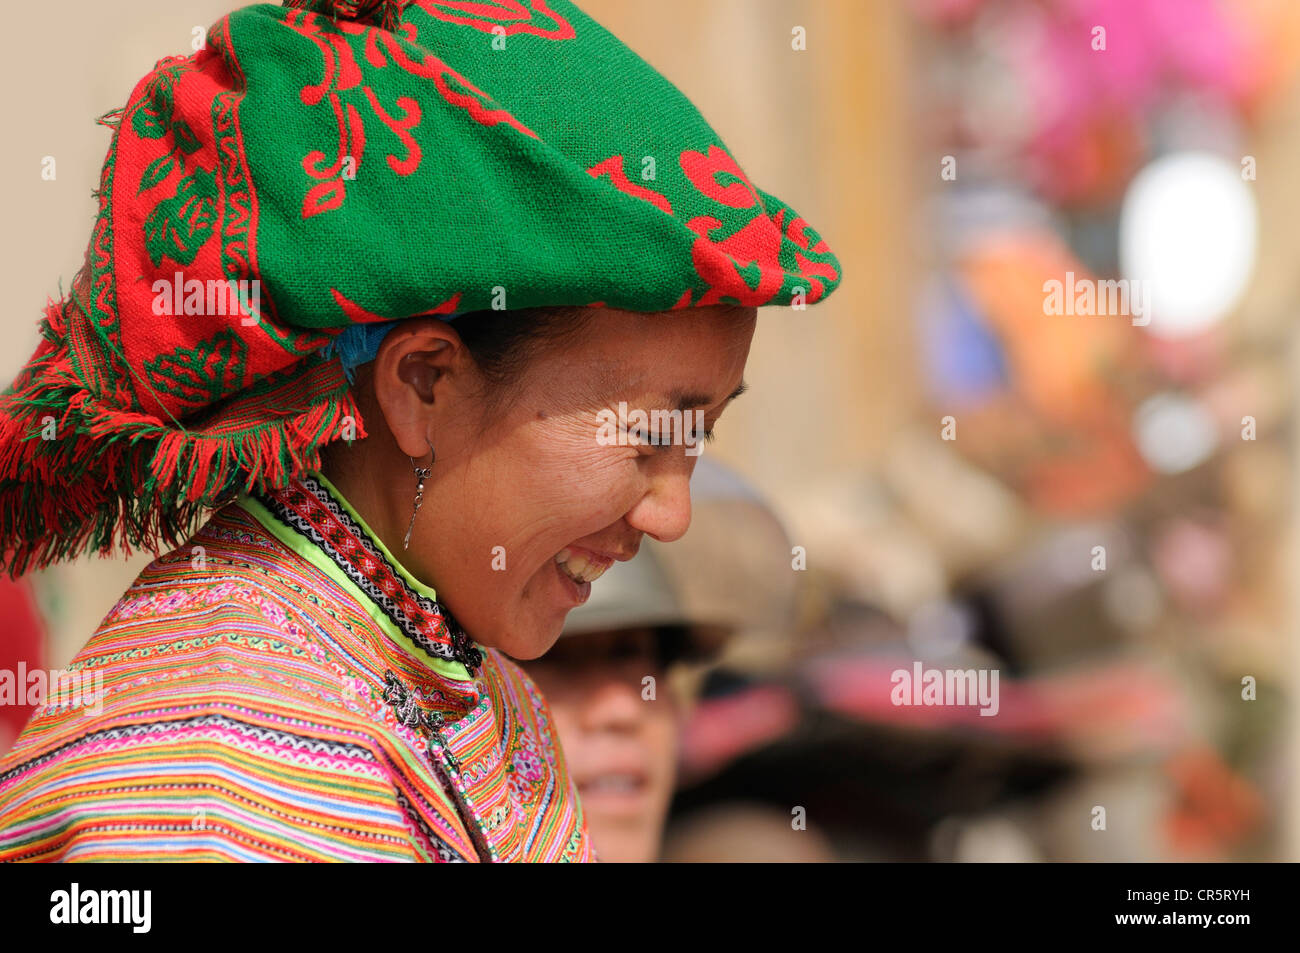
(523, 506)
(379, 479)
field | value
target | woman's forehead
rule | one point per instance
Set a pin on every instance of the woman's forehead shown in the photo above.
(683, 364)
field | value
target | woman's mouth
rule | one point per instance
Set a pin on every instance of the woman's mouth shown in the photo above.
(581, 566)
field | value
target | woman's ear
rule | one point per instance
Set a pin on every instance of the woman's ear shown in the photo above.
(411, 374)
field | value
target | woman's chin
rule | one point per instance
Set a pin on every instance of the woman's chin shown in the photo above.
(546, 605)
(533, 639)
(528, 648)
(538, 615)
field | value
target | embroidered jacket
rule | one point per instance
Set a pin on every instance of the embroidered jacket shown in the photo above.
(280, 688)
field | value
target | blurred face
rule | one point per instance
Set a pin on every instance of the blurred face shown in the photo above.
(620, 746)
(529, 503)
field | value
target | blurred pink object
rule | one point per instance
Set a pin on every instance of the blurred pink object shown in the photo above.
(723, 728)
(1091, 102)
(1083, 113)
(1149, 44)
(1194, 561)
(1113, 710)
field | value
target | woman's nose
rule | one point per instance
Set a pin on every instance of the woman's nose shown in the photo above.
(664, 512)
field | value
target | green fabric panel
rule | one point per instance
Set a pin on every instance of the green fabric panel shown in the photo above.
(484, 206)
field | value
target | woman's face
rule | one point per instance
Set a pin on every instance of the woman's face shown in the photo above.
(528, 504)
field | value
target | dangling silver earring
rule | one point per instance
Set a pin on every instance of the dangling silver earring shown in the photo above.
(421, 474)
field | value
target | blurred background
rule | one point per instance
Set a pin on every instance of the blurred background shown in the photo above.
(1099, 506)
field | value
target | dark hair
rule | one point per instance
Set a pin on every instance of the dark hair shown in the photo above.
(503, 342)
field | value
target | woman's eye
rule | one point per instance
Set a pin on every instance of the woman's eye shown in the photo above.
(644, 438)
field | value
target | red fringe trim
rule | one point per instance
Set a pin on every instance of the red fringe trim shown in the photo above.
(79, 476)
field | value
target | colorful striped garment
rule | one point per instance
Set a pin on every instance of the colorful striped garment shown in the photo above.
(279, 688)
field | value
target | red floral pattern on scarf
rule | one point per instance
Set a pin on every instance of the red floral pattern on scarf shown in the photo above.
(510, 16)
(745, 266)
(342, 74)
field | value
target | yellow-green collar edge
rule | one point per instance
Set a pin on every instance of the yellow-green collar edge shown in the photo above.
(313, 554)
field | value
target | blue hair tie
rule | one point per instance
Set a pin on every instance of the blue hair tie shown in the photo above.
(358, 344)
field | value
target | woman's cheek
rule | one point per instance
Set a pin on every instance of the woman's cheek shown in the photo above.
(608, 480)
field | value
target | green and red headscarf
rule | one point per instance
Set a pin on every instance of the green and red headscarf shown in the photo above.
(328, 163)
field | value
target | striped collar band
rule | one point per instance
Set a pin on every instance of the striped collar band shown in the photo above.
(312, 507)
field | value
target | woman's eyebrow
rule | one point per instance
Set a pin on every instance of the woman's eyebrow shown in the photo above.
(684, 400)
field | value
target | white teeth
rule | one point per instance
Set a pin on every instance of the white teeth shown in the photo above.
(578, 567)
